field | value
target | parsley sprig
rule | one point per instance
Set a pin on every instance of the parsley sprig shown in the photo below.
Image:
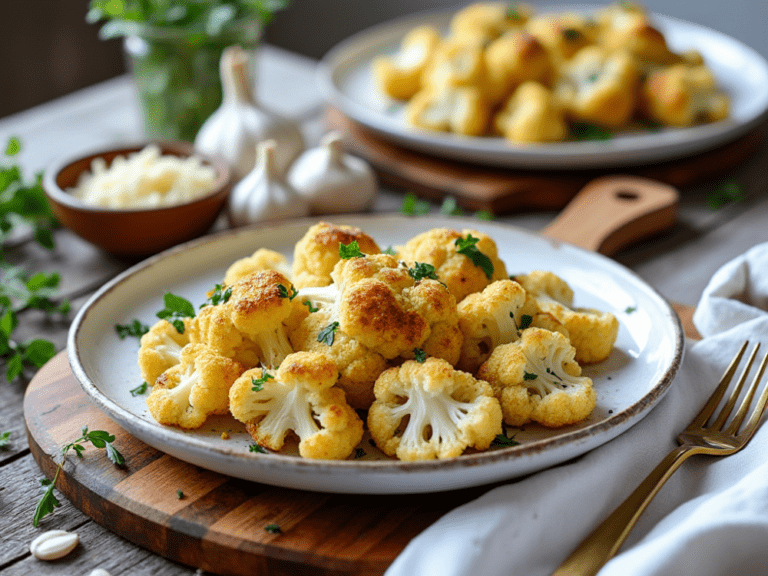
(413, 205)
(467, 247)
(258, 383)
(422, 270)
(503, 441)
(135, 328)
(176, 310)
(283, 292)
(219, 295)
(98, 438)
(5, 440)
(351, 250)
(328, 334)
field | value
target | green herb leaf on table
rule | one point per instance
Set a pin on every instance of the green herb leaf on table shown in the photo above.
(467, 247)
(273, 529)
(5, 440)
(328, 334)
(135, 329)
(725, 193)
(413, 205)
(179, 494)
(351, 250)
(450, 207)
(176, 310)
(485, 215)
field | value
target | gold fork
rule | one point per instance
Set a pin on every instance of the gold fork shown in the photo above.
(697, 438)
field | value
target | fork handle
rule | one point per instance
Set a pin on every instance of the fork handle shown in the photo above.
(600, 546)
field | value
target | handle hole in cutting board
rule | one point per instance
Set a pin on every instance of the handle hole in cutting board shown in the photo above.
(628, 195)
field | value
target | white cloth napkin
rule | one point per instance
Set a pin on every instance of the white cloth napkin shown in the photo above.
(711, 518)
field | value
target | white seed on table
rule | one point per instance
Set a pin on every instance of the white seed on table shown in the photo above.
(53, 544)
(99, 572)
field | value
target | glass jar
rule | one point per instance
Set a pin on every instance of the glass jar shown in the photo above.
(177, 74)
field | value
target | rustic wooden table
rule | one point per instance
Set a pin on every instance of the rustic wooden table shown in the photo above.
(678, 264)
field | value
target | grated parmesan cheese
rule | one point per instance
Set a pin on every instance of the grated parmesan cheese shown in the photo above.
(145, 179)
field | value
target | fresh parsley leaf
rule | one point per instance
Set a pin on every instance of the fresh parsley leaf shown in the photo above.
(412, 205)
(140, 389)
(220, 295)
(283, 292)
(47, 503)
(503, 441)
(466, 246)
(422, 270)
(486, 215)
(328, 333)
(419, 355)
(389, 250)
(450, 207)
(525, 321)
(529, 376)
(351, 250)
(630, 309)
(258, 383)
(135, 329)
(179, 494)
(176, 310)
(13, 147)
(584, 131)
(308, 304)
(257, 448)
(725, 193)
(359, 453)
(571, 34)
(5, 440)
(273, 529)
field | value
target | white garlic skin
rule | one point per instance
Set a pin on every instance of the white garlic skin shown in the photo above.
(99, 572)
(240, 123)
(262, 196)
(331, 180)
(53, 544)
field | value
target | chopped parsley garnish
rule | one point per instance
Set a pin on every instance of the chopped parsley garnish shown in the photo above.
(449, 207)
(258, 383)
(179, 494)
(220, 295)
(551, 373)
(529, 376)
(140, 389)
(258, 448)
(422, 270)
(525, 321)
(283, 292)
(592, 77)
(273, 529)
(585, 131)
(630, 309)
(135, 329)
(413, 205)
(485, 215)
(308, 304)
(419, 355)
(176, 309)
(389, 250)
(513, 13)
(328, 333)
(466, 246)
(359, 453)
(725, 193)
(351, 250)
(503, 441)
(5, 440)
(571, 34)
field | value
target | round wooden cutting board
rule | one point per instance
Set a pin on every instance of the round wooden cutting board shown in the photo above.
(220, 523)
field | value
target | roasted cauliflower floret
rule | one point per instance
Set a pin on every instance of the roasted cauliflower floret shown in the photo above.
(599, 87)
(683, 95)
(298, 398)
(262, 259)
(563, 35)
(399, 76)
(429, 410)
(512, 59)
(160, 349)
(461, 110)
(482, 22)
(465, 261)
(591, 331)
(454, 65)
(187, 393)
(488, 319)
(317, 252)
(537, 379)
(531, 114)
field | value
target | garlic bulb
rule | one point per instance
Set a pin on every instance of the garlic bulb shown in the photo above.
(240, 123)
(262, 195)
(331, 180)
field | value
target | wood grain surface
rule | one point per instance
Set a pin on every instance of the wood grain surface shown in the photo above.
(503, 190)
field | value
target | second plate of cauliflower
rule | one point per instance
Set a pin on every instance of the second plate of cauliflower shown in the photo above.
(366, 372)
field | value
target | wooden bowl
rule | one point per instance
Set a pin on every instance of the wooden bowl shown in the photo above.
(138, 232)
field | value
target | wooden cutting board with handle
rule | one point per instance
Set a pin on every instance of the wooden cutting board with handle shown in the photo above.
(220, 523)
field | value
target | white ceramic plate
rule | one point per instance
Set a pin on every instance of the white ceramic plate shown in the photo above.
(346, 81)
(628, 384)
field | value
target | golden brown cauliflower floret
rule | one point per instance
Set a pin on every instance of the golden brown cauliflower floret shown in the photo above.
(591, 331)
(482, 22)
(298, 398)
(317, 252)
(599, 87)
(563, 35)
(376, 311)
(399, 76)
(531, 114)
(462, 272)
(454, 65)
(160, 349)
(186, 394)
(683, 95)
(462, 110)
(429, 410)
(488, 319)
(537, 379)
(512, 59)
(262, 259)
(627, 28)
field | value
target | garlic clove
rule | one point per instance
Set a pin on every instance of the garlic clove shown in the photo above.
(240, 123)
(331, 180)
(99, 572)
(262, 195)
(53, 544)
